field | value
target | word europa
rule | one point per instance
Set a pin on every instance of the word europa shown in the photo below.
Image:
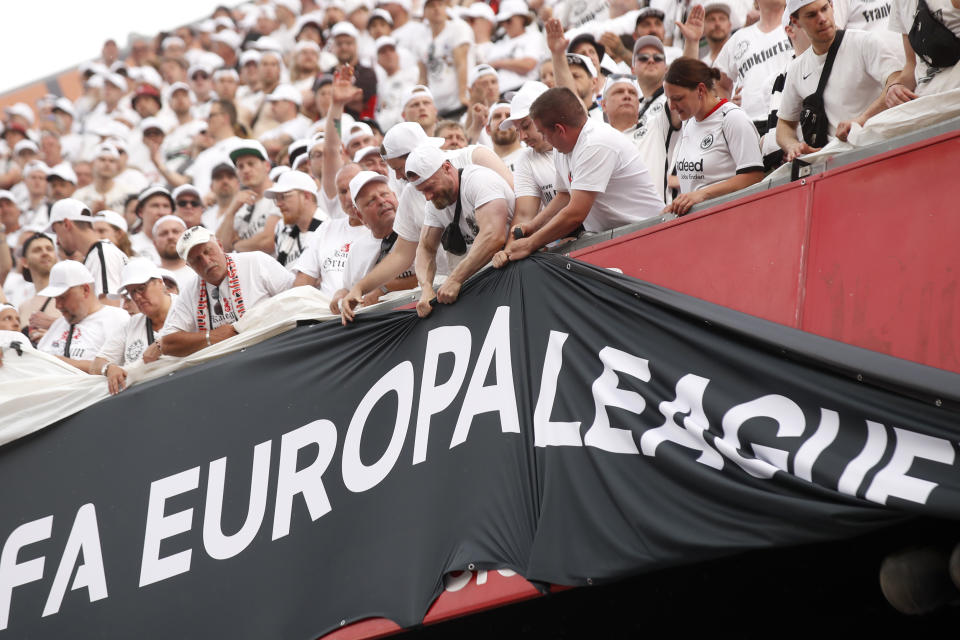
(684, 423)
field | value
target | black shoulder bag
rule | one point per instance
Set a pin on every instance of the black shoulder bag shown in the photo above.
(452, 238)
(931, 40)
(813, 114)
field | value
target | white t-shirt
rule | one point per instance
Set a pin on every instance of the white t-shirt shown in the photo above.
(290, 242)
(527, 45)
(576, 13)
(606, 162)
(534, 174)
(127, 346)
(104, 258)
(199, 171)
(652, 138)
(260, 277)
(749, 58)
(722, 145)
(866, 15)
(441, 70)
(88, 336)
(929, 79)
(114, 199)
(390, 90)
(511, 159)
(478, 186)
(248, 221)
(326, 255)
(863, 64)
(143, 247)
(363, 256)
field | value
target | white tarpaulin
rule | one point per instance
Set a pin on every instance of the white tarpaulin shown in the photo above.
(37, 389)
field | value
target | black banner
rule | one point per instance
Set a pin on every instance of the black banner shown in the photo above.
(567, 423)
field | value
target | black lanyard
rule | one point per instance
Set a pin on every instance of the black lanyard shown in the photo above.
(150, 338)
(66, 348)
(386, 245)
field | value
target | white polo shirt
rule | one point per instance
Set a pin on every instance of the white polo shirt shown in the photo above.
(606, 162)
(720, 146)
(127, 346)
(326, 255)
(260, 277)
(89, 335)
(864, 62)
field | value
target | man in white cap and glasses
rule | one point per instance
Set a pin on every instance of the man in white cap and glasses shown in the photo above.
(602, 182)
(296, 196)
(72, 221)
(866, 65)
(251, 219)
(138, 340)
(229, 284)
(376, 205)
(85, 323)
(516, 55)
(468, 213)
(534, 173)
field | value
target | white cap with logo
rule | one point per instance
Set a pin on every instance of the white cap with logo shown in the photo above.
(138, 271)
(292, 181)
(191, 238)
(521, 101)
(68, 209)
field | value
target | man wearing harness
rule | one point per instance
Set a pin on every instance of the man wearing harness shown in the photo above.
(72, 221)
(143, 283)
(466, 209)
(229, 284)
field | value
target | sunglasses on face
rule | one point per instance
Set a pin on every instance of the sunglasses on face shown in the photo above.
(646, 57)
(188, 203)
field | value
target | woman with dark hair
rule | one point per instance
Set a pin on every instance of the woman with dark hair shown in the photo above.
(719, 147)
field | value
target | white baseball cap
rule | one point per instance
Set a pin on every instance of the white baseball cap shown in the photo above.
(63, 171)
(185, 188)
(510, 8)
(285, 92)
(364, 152)
(356, 130)
(407, 5)
(385, 41)
(299, 161)
(795, 5)
(363, 178)
(416, 91)
(112, 218)
(291, 181)
(191, 238)
(344, 28)
(478, 71)
(68, 209)
(584, 61)
(424, 161)
(307, 44)
(8, 195)
(64, 104)
(106, 149)
(172, 41)
(153, 190)
(21, 109)
(246, 147)
(481, 10)
(250, 55)
(521, 101)
(66, 274)
(228, 37)
(26, 145)
(266, 44)
(138, 271)
(116, 80)
(36, 165)
(168, 218)
(152, 122)
(404, 137)
(494, 108)
(621, 78)
(647, 41)
(295, 6)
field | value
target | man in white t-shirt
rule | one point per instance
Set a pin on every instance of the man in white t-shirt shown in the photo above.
(393, 82)
(296, 196)
(446, 59)
(249, 223)
(866, 15)
(506, 142)
(601, 180)
(865, 66)
(534, 172)
(921, 77)
(85, 325)
(468, 212)
(229, 284)
(515, 56)
(752, 58)
(106, 191)
(142, 283)
(72, 221)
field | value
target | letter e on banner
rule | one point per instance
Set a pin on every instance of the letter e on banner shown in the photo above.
(893, 480)
(153, 568)
(606, 393)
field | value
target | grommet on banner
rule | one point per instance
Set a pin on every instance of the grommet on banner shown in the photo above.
(343, 623)
(938, 402)
(471, 566)
(859, 377)
(568, 266)
(589, 580)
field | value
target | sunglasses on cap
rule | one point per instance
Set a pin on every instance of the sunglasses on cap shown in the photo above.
(646, 57)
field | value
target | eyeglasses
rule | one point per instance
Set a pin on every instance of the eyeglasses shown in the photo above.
(188, 203)
(646, 57)
(217, 307)
(621, 76)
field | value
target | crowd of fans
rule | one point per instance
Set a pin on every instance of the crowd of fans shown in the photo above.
(364, 149)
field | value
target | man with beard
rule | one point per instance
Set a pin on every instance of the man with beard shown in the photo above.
(38, 312)
(224, 186)
(468, 212)
(229, 284)
(72, 221)
(296, 196)
(506, 142)
(166, 233)
(716, 29)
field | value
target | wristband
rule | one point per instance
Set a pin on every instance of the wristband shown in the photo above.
(383, 289)
(103, 371)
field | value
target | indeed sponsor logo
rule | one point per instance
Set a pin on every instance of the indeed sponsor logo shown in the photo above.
(688, 165)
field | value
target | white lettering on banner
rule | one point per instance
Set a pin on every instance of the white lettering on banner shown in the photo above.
(499, 397)
(434, 397)
(545, 432)
(84, 537)
(688, 399)
(606, 393)
(153, 568)
(13, 573)
(767, 460)
(870, 455)
(893, 480)
(358, 477)
(810, 451)
(217, 545)
(309, 480)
